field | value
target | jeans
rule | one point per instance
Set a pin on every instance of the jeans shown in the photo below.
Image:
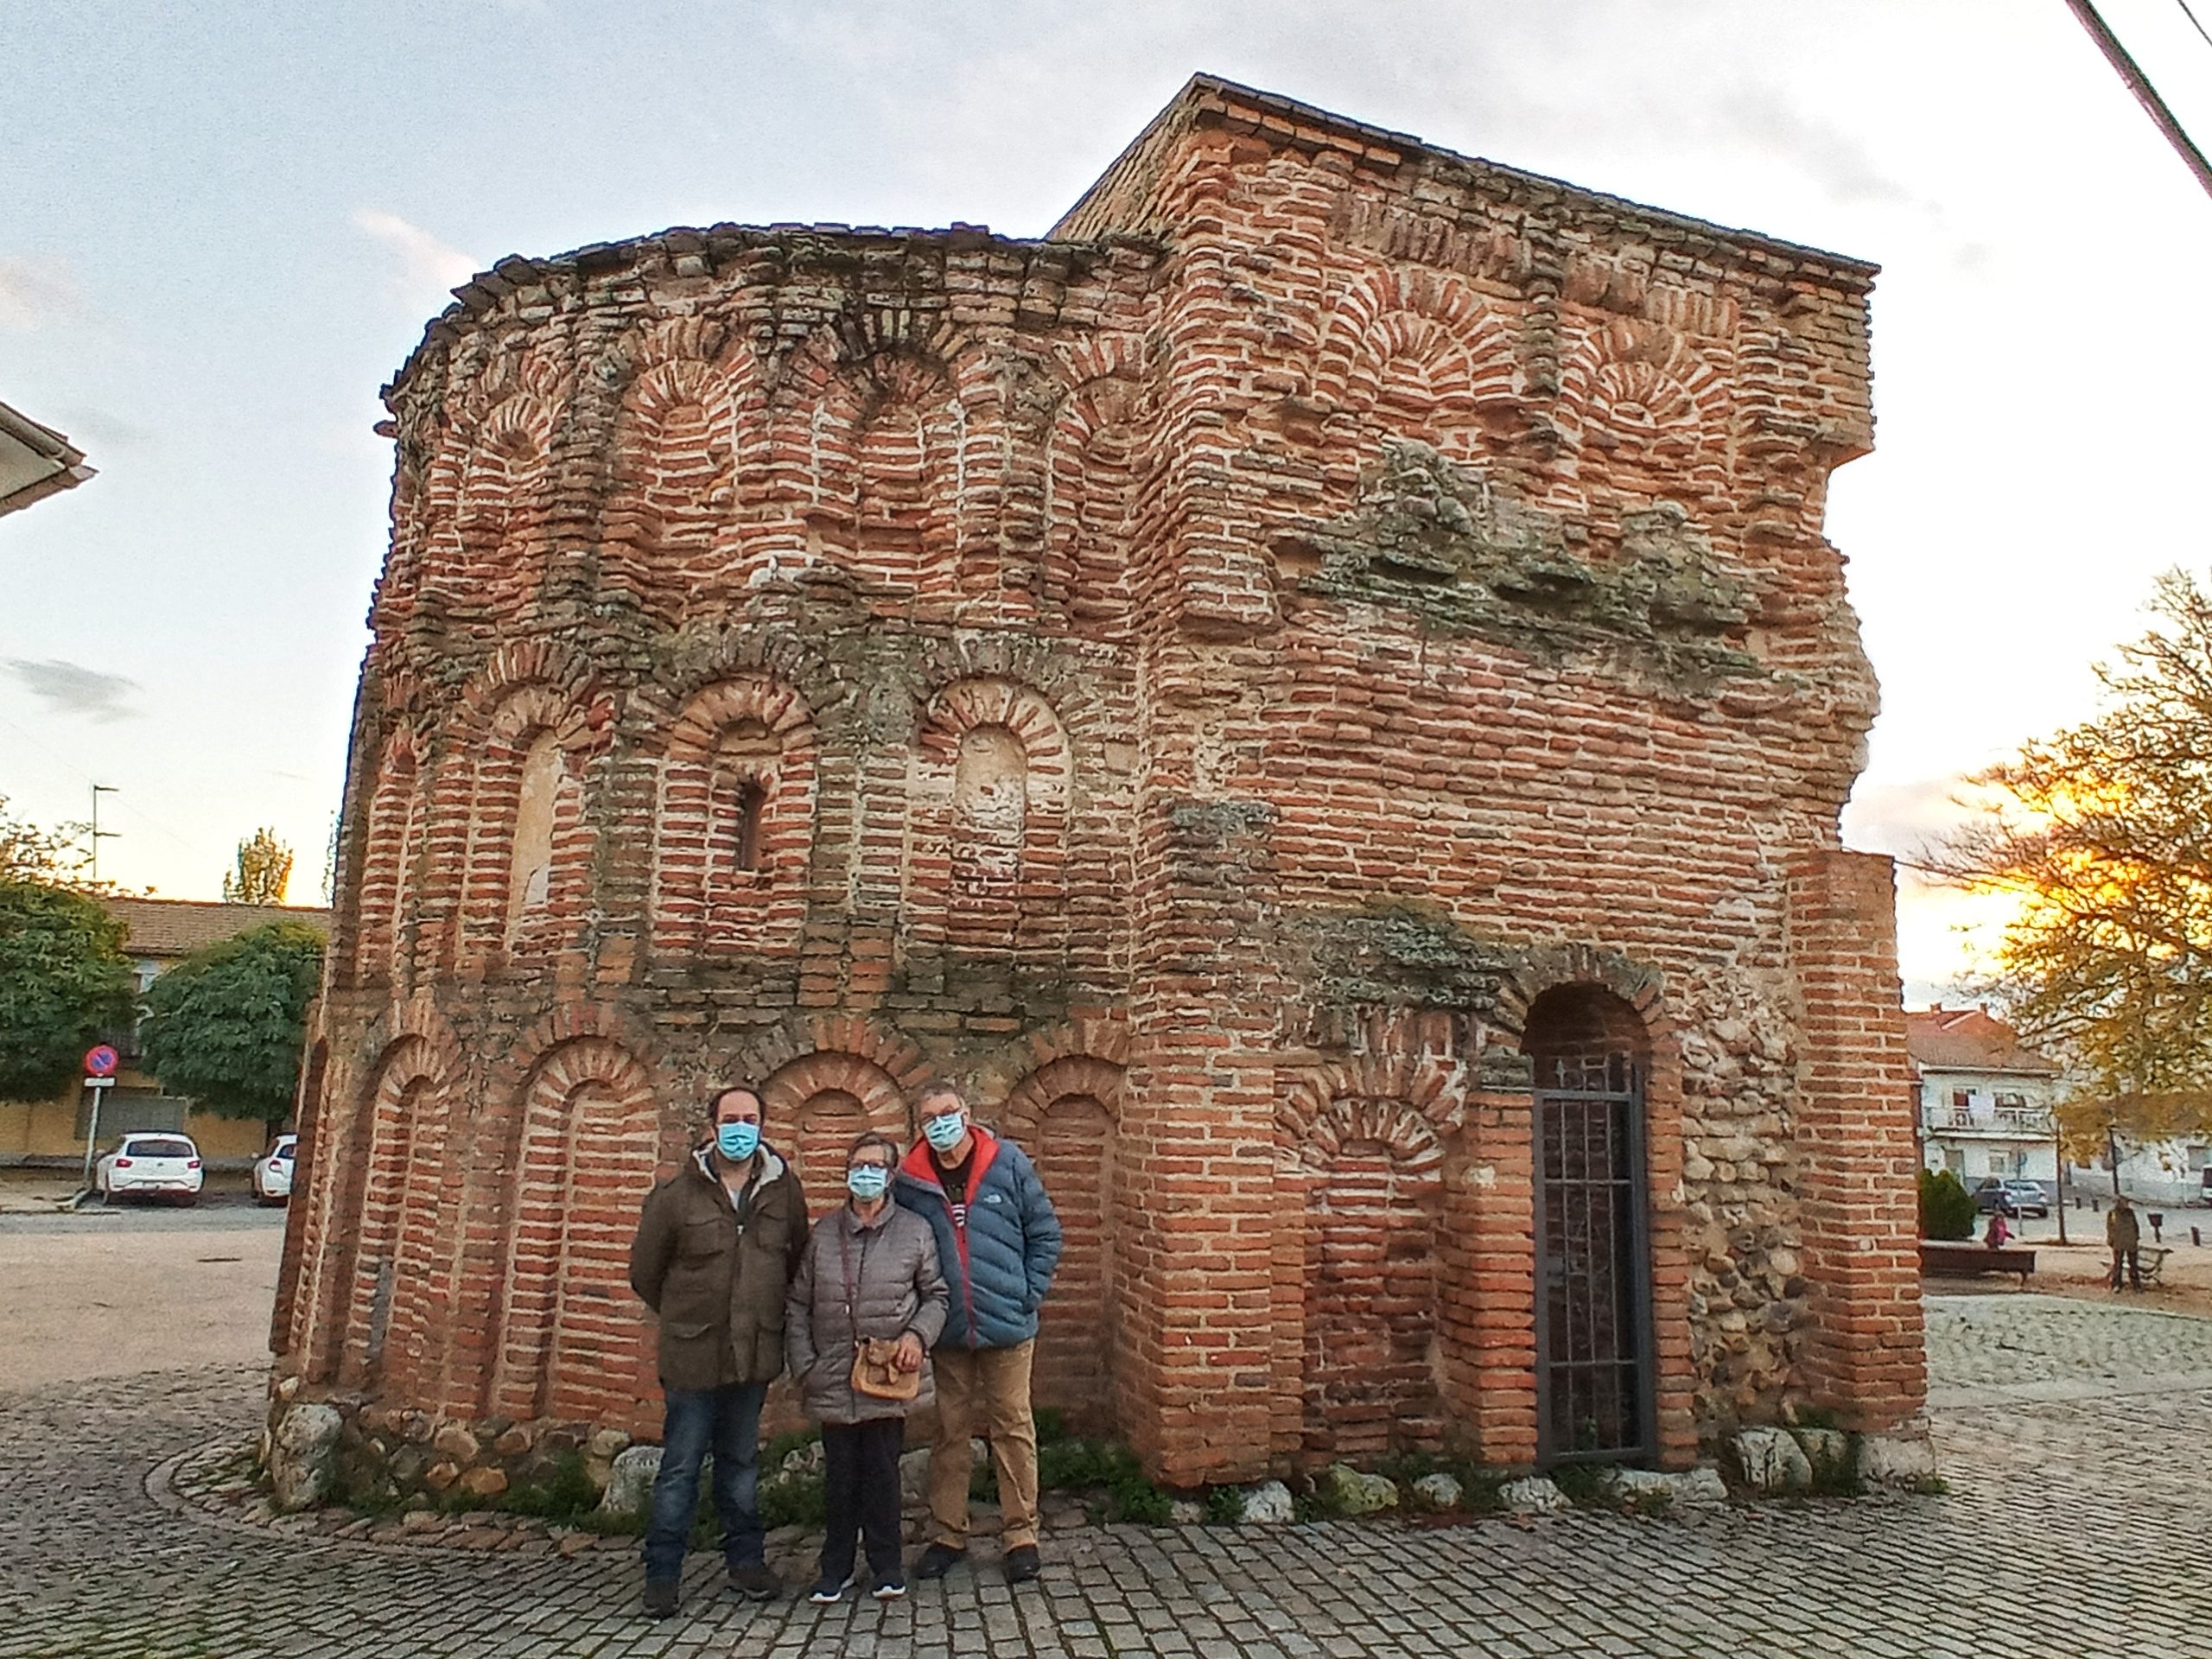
(859, 1481)
(725, 1422)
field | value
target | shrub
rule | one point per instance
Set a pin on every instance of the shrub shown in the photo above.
(793, 1501)
(1066, 1466)
(1583, 1485)
(1947, 1209)
(568, 1494)
(1134, 1499)
(1224, 1506)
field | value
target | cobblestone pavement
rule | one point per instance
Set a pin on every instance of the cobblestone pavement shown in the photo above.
(2096, 1503)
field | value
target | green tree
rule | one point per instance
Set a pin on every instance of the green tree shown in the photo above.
(264, 870)
(64, 983)
(2104, 833)
(226, 1026)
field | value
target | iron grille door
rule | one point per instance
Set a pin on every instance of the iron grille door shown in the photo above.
(1593, 1325)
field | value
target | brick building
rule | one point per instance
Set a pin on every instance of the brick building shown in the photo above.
(1317, 690)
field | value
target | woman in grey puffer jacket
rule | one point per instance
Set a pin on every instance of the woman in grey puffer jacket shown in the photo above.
(870, 1270)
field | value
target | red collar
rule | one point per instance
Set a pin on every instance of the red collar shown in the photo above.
(919, 1166)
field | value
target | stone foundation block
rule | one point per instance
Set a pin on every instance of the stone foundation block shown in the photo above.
(1770, 1461)
(303, 1456)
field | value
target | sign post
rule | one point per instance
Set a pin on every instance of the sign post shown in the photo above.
(99, 1077)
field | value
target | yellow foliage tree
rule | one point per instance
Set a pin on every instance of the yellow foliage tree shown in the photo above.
(264, 870)
(2104, 833)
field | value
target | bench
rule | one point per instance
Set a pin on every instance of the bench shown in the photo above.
(1964, 1259)
(2151, 1262)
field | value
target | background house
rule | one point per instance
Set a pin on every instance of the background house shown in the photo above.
(1986, 1101)
(1986, 1098)
(162, 933)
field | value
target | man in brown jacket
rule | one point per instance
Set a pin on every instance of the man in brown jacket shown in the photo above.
(716, 1250)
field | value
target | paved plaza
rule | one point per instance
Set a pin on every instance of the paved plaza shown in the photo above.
(2073, 1436)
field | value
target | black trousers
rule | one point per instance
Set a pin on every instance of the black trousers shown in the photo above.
(860, 1477)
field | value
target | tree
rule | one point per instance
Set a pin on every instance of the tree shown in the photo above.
(2104, 832)
(64, 983)
(226, 1026)
(264, 870)
(1947, 1209)
(30, 854)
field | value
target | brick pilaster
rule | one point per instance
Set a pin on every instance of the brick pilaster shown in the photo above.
(1865, 1358)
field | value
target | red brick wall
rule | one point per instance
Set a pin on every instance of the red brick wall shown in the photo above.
(1121, 719)
(1865, 1358)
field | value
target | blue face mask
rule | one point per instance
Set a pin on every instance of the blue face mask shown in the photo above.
(943, 1133)
(737, 1141)
(868, 1182)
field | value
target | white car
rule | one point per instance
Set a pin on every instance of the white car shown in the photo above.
(151, 1165)
(272, 1175)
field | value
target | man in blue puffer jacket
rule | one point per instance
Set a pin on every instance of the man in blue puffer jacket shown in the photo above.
(998, 1241)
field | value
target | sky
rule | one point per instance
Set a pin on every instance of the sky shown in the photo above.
(223, 226)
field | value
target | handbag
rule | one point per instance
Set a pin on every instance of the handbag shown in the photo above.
(875, 1359)
(876, 1373)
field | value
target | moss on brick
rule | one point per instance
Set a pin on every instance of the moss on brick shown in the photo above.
(1441, 541)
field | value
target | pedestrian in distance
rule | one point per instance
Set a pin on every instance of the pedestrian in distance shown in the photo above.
(716, 1247)
(867, 1301)
(2124, 1239)
(999, 1240)
(1998, 1233)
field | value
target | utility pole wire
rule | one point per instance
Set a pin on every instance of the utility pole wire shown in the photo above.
(2193, 24)
(2145, 94)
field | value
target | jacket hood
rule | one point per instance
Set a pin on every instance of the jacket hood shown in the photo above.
(917, 1168)
(772, 1164)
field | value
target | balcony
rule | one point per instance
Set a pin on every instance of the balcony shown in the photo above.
(2011, 1122)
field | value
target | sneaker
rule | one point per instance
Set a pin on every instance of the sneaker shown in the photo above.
(937, 1561)
(827, 1590)
(889, 1589)
(660, 1598)
(1021, 1564)
(754, 1579)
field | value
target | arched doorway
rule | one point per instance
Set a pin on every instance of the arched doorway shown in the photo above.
(1594, 1351)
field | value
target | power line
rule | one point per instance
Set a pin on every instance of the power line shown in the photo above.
(2145, 94)
(2193, 24)
(81, 774)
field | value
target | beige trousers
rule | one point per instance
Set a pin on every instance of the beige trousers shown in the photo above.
(983, 1391)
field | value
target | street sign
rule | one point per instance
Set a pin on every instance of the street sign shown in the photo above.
(101, 1061)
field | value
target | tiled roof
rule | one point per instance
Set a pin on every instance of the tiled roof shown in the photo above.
(1970, 1040)
(177, 927)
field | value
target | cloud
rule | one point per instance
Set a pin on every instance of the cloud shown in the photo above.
(71, 689)
(1831, 157)
(35, 291)
(1905, 819)
(424, 261)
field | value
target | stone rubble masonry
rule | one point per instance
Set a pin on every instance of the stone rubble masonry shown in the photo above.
(1335, 636)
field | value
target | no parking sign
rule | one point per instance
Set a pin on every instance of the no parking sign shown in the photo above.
(101, 1061)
